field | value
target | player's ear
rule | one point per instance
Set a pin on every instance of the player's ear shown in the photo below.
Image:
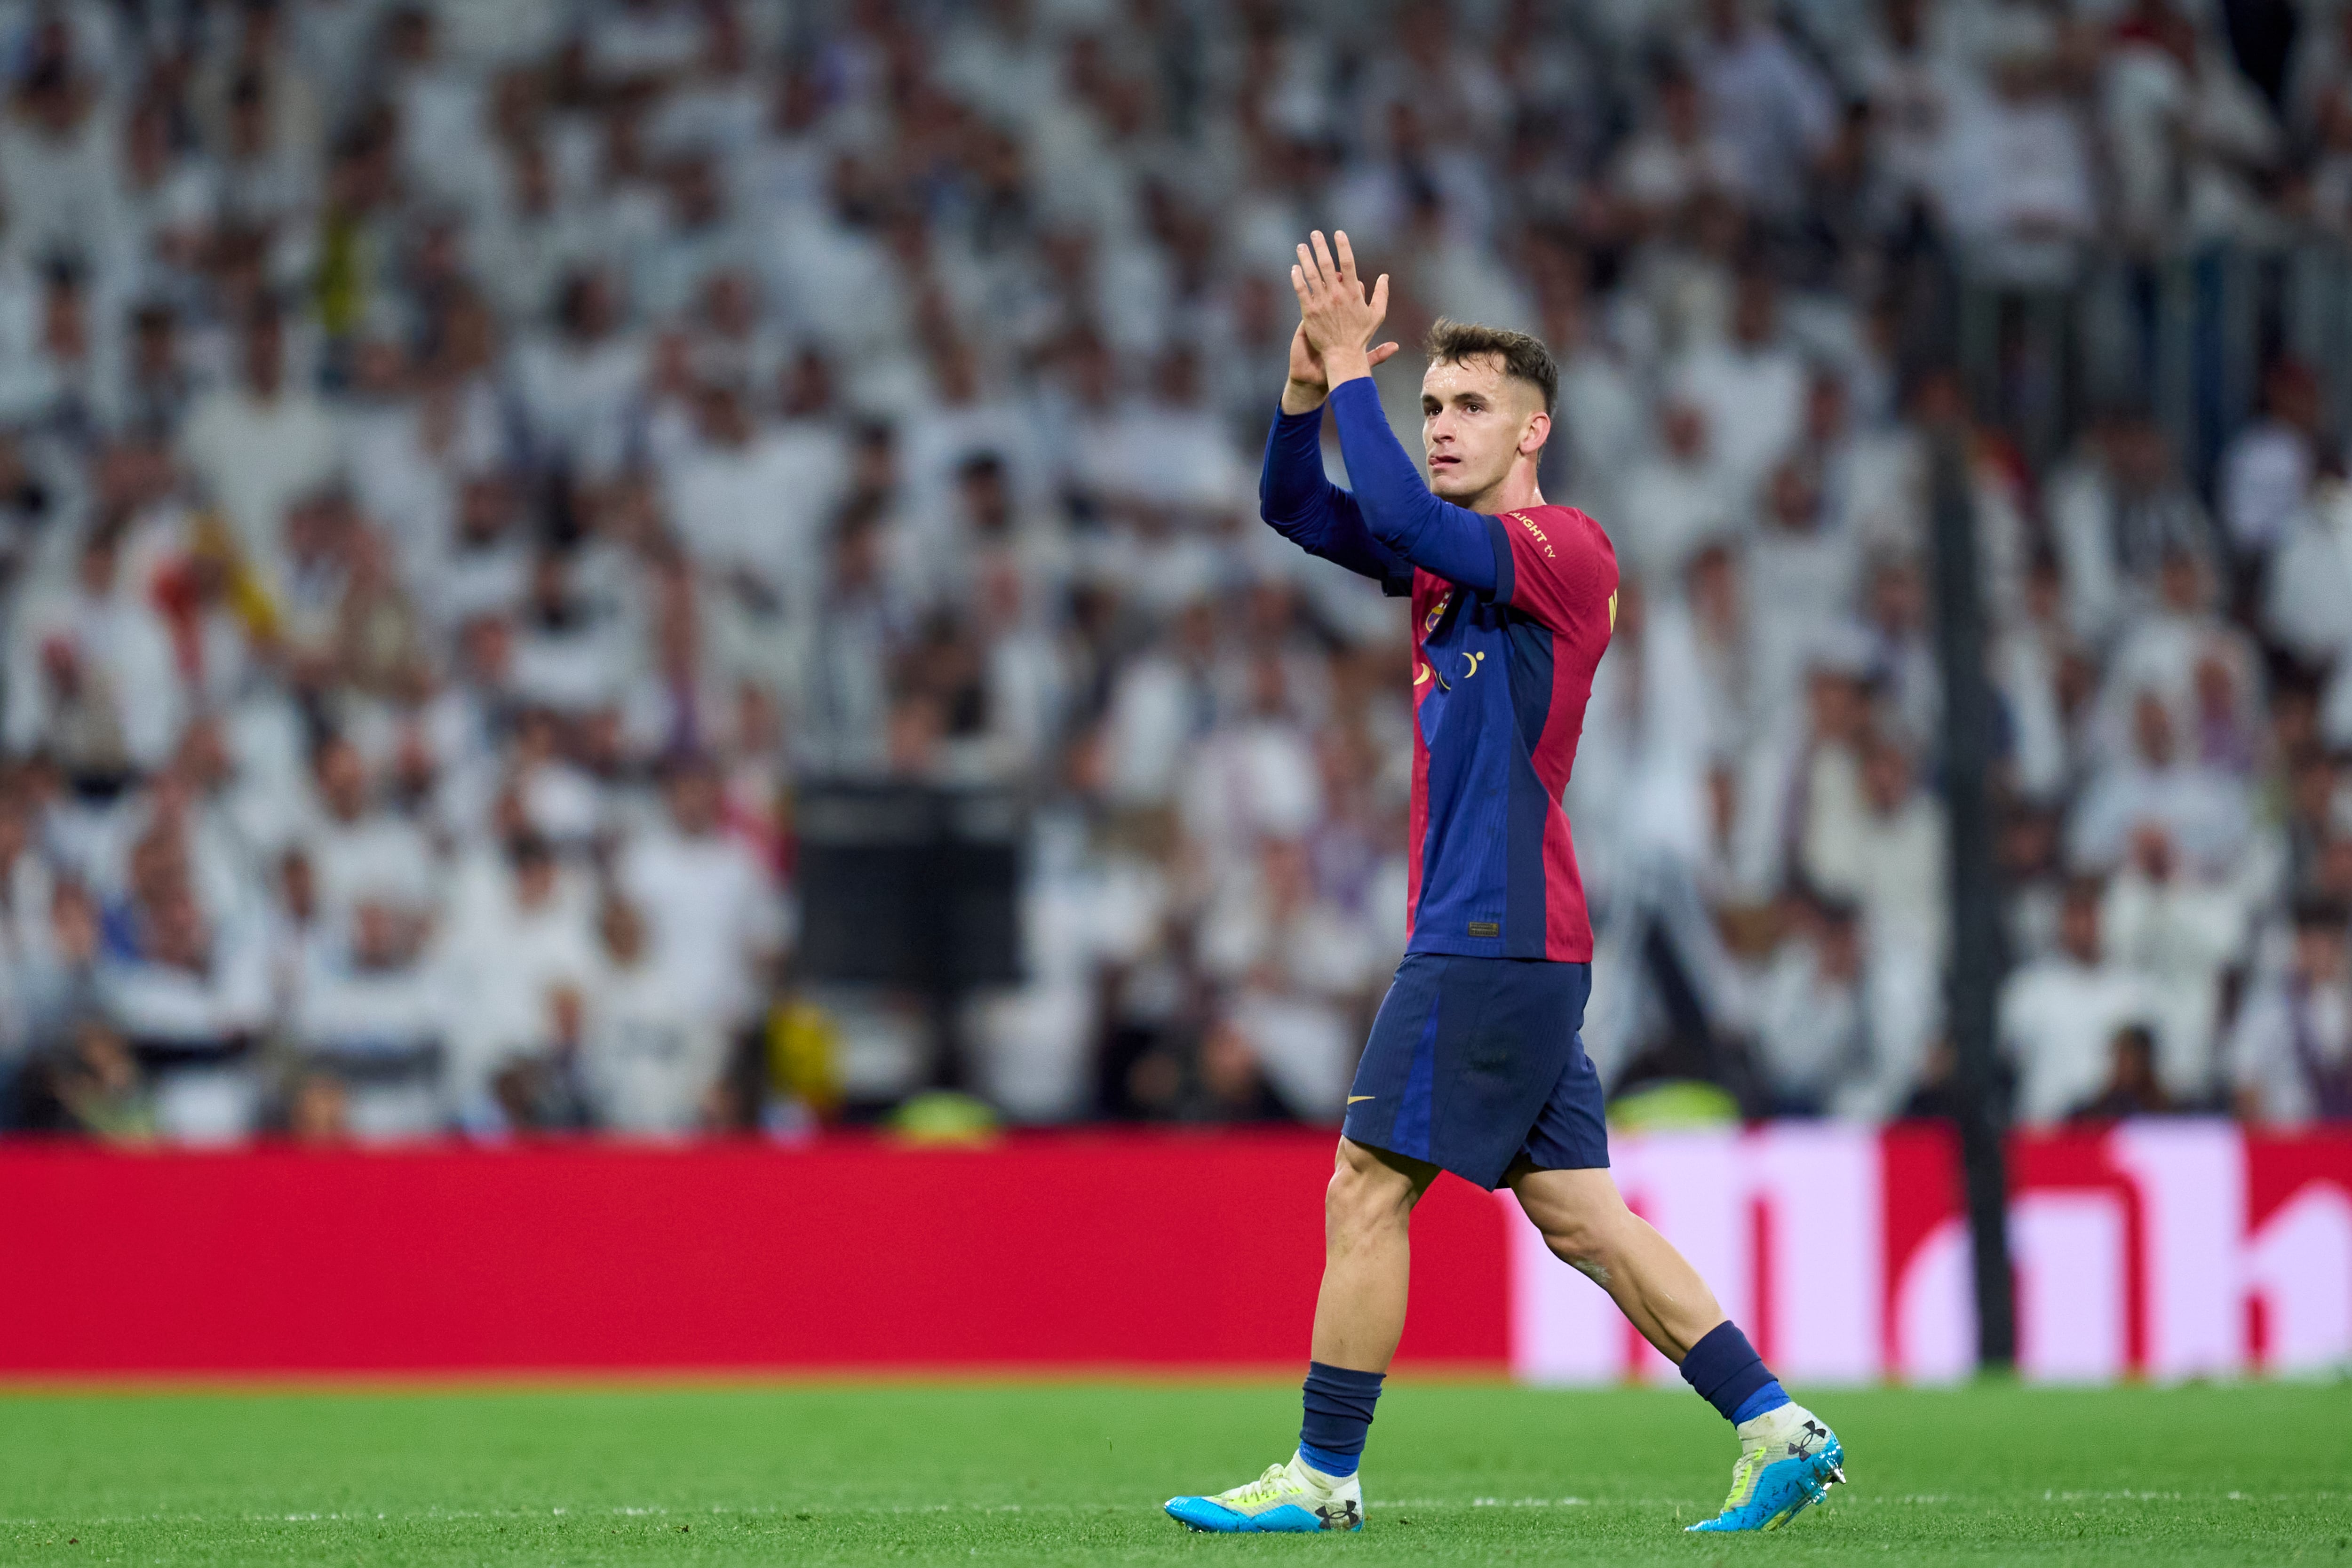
(1537, 432)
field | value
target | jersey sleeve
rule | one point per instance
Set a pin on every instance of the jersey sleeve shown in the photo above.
(1434, 535)
(1297, 502)
(1559, 568)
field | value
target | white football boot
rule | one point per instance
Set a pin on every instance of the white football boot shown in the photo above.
(1295, 1497)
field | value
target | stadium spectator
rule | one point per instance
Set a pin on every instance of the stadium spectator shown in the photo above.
(2199, 808)
(2132, 1088)
(192, 994)
(714, 924)
(372, 1018)
(1678, 501)
(2059, 1015)
(2291, 1053)
(257, 445)
(2268, 468)
(651, 1057)
(1844, 1022)
(93, 1086)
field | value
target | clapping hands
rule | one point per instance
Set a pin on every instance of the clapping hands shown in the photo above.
(1337, 319)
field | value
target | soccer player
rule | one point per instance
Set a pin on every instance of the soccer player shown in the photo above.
(1475, 1065)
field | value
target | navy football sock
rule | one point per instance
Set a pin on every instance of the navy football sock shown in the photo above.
(1338, 1402)
(1728, 1374)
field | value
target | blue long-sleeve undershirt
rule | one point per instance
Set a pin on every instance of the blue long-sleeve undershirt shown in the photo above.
(1464, 547)
(1317, 515)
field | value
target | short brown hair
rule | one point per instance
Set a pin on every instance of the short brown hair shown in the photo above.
(1523, 357)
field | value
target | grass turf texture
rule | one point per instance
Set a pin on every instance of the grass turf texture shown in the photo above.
(1051, 1473)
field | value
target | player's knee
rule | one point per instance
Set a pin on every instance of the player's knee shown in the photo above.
(1364, 1200)
(1353, 1205)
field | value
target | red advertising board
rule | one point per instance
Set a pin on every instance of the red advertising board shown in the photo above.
(2166, 1248)
(1069, 1250)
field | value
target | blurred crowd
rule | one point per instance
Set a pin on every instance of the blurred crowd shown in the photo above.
(465, 465)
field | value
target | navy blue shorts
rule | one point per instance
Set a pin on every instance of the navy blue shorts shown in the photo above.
(1476, 1061)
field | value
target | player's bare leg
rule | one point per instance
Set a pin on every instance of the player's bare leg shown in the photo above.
(1788, 1458)
(1359, 1318)
(1366, 1255)
(1586, 1224)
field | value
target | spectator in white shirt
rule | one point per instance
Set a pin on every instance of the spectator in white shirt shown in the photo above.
(2179, 931)
(1603, 421)
(1844, 1025)
(651, 1056)
(1915, 87)
(373, 1013)
(359, 851)
(1766, 103)
(1802, 571)
(2307, 600)
(192, 998)
(2113, 513)
(2203, 667)
(1253, 777)
(570, 657)
(519, 936)
(1750, 385)
(700, 241)
(486, 568)
(1732, 690)
(1801, 783)
(2268, 466)
(2017, 174)
(742, 508)
(1892, 862)
(256, 446)
(1162, 705)
(1678, 156)
(582, 384)
(90, 672)
(57, 156)
(2059, 1015)
(2187, 134)
(52, 974)
(1680, 500)
(713, 918)
(1640, 788)
(2202, 809)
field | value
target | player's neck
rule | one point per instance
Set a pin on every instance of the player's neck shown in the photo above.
(1516, 491)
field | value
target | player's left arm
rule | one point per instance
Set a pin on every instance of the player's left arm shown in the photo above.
(1338, 318)
(1464, 547)
(1317, 515)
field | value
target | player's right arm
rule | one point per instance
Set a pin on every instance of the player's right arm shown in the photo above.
(1303, 506)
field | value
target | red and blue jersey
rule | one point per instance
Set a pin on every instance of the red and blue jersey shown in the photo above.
(1510, 617)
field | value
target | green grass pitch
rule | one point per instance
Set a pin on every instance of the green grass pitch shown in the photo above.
(1074, 1473)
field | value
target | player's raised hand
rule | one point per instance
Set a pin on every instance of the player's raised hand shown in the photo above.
(1336, 321)
(1340, 319)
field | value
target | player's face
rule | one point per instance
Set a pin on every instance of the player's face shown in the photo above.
(1474, 424)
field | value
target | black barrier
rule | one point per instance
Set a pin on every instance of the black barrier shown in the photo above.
(914, 888)
(1973, 983)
